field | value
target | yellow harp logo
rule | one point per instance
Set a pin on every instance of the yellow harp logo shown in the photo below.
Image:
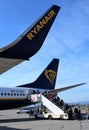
(50, 75)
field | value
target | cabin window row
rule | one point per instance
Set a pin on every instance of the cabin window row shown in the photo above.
(12, 94)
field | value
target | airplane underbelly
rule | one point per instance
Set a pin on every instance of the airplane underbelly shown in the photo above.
(9, 104)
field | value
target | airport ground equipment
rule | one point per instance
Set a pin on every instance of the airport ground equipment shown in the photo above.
(49, 109)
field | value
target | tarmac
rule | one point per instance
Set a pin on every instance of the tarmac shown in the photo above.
(10, 120)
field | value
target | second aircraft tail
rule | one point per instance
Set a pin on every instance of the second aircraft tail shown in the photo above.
(47, 79)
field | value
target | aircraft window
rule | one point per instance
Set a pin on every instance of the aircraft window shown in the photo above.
(17, 94)
(25, 109)
(14, 94)
(2, 94)
(8, 94)
(20, 94)
(11, 94)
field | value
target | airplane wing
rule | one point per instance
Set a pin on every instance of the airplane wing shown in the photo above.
(55, 91)
(29, 42)
(7, 63)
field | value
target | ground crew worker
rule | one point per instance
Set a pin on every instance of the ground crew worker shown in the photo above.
(87, 112)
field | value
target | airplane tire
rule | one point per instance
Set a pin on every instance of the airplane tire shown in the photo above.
(36, 116)
(50, 117)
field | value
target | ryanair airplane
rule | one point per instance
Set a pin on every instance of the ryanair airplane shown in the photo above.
(21, 95)
(24, 47)
(29, 42)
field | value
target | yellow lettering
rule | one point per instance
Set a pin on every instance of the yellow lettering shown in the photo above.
(42, 23)
(38, 27)
(52, 13)
(47, 19)
(34, 30)
(30, 36)
(49, 15)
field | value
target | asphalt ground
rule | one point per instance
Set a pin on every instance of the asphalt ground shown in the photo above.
(10, 120)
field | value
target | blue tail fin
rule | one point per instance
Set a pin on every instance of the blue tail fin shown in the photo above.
(47, 79)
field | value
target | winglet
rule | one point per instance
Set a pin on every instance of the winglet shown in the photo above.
(32, 39)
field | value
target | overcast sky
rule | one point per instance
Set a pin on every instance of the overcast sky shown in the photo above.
(68, 40)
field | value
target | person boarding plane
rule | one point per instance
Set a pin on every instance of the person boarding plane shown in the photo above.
(19, 96)
(29, 42)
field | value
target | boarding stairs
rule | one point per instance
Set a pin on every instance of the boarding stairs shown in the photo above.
(47, 103)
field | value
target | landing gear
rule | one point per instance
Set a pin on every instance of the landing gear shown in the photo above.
(50, 117)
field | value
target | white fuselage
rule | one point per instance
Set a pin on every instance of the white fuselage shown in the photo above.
(14, 97)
